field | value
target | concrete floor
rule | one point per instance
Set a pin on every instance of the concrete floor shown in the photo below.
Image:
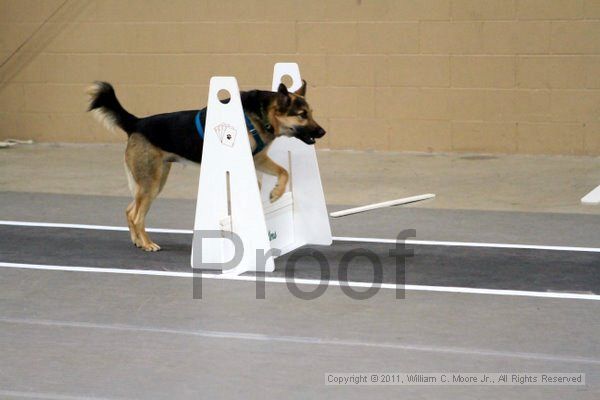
(72, 335)
(76, 335)
(474, 182)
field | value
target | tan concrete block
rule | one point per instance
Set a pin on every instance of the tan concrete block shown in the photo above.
(152, 11)
(365, 102)
(8, 126)
(351, 70)
(60, 68)
(345, 10)
(233, 10)
(12, 35)
(550, 138)
(93, 38)
(532, 105)
(396, 102)
(344, 102)
(591, 9)
(555, 9)
(27, 10)
(319, 100)
(467, 104)
(58, 98)
(341, 10)
(258, 10)
(388, 37)
(208, 37)
(419, 10)
(488, 137)
(136, 68)
(155, 99)
(372, 10)
(516, 37)
(483, 9)
(183, 69)
(420, 135)
(575, 105)
(35, 70)
(205, 37)
(576, 37)
(411, 103)
(451, 37)
(592, 72)
(12, 98)
(481, 104)
(342, 134)
(151, 37)
(310, 11)
(324, 142)
(313, 68)
(499, 105)
(48, 127)
(556, 72)
(591, 138)
(263, 37)
(482, 71)
(363, 134)
(329, 38)
(421, 70)
(433, 104)
(251, 71)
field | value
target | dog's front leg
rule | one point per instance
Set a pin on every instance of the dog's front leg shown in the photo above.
(264, 164)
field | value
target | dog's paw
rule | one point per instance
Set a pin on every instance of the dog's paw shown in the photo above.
(151, 247)
(276, 193)
(147, 246)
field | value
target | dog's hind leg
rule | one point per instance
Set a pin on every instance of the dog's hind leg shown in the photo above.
(143, 201)
(149, 171)
(130, 210)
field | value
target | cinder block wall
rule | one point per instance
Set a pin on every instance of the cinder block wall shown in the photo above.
(498, 76)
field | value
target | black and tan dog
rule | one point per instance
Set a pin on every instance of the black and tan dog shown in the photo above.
(156, 141)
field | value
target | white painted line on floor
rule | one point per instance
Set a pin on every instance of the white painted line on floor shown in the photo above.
(46, 396)
(301, 281)
(305, 340)
(90, 227)
(469, 244)
(335, 238)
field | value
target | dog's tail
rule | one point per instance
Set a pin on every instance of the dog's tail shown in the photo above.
(107, 109)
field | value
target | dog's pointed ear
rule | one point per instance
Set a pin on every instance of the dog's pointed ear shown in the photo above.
(283, 97)
(302, 90)
(282, 89)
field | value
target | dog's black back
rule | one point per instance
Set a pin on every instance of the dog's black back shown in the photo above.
(173, 132)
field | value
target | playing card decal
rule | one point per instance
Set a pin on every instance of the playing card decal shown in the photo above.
(226, 134)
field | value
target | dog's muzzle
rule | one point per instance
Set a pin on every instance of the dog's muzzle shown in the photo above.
(309, 136)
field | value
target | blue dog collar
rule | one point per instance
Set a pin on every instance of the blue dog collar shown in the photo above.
(260, 145)
(199, 127)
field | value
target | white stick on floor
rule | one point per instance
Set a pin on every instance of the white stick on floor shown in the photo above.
(592, 197)
(389, 203)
